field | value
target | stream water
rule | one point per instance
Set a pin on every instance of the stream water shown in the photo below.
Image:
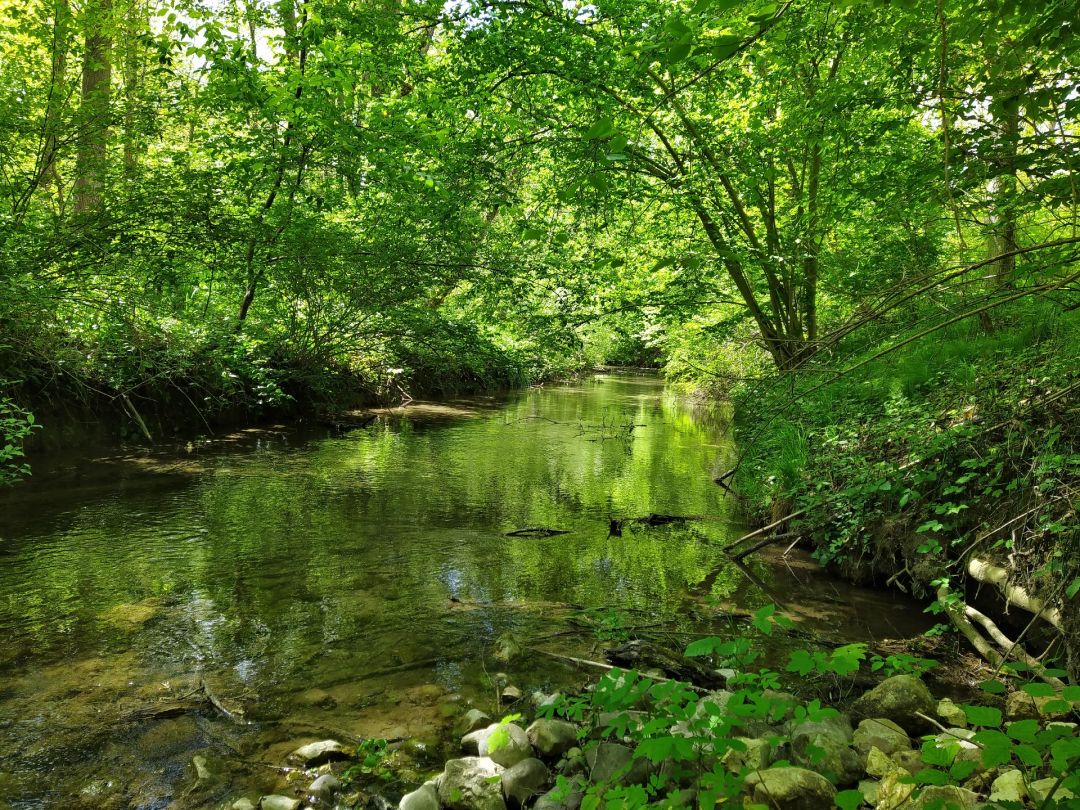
(355, 582)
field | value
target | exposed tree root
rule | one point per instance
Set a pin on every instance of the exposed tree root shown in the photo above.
(997, 576)
(963, 615)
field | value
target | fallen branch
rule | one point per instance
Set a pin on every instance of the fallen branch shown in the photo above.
(768, 541)
(765, 529)
(232, 716)
(585, 662)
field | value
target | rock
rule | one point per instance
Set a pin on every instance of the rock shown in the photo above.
(1038, 791)
(325, 786)
(242, 804)
(511, 694)
(317, 698)
(790, 789)
(573, 762)
(469, 784)
(557, 800)
(910, 761)
(318, 753)
(614, 764)
(1022, 706)
(893, 793)
(882, 734)
(472, 720)
(1009, 787)
(758, 755)
(878, 763)
(523, 781)
(475, 742)
(825, 746)
(552, 738)
(950, 713)
(784, 705)
(945, 797)
(957, 742)
(202, 769)
(425, 797)
(278, 802)
(900, 698)
(508, 745)
(869, 789)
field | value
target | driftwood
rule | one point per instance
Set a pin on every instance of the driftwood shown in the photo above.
(585, 662)
(195, 701)
(638, 655)
(537, 532)
(616, 525)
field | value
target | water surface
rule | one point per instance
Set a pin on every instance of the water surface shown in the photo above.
(351, 582)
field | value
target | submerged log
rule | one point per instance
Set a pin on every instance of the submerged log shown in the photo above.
(639, 655)
(539, 531)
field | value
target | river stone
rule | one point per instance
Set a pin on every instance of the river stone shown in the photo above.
(1038, 791)
(202, 768)
(790, 789)
(475, 742)
(523, 781)
(573, 762)
(325, 786)
(1009, 787)
(612, 763)
(318, 753)
(472, 720)
(1022, 706)
(242, 804)
(511, 694)
(869, 790)
(901, 698)
(278, 802)
(514, 747)
(882, 734)
(552, 738)
(911, 761)
(878, 763)
(950, 713)
(468, 784)
(893, 792)
(425, 797)
(825, 746)
(945, 797)
(557, 799)
(758, 755)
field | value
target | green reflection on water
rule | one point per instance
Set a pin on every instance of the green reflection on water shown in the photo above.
(305, 563)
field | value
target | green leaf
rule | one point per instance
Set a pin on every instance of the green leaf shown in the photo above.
(1073, 589)
(992, 687)
(983, 715)
(604, 128)
(849, 799)
(703, 646)
(1038, 689)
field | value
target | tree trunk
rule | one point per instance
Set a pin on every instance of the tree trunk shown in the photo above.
(92, 156)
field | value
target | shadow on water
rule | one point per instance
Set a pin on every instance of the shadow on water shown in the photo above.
(351, 582)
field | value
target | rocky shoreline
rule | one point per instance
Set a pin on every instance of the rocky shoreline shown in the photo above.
(796, 756)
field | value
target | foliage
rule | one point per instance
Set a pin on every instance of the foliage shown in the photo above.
(697, 741)
(16, 425)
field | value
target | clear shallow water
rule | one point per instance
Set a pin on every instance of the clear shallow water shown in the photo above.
(355, 583)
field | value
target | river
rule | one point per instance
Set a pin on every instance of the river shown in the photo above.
(356, 581)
